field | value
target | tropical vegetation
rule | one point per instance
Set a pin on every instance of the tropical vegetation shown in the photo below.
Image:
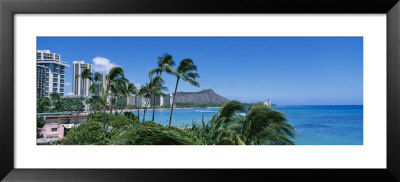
(235, 123)
(261, 125)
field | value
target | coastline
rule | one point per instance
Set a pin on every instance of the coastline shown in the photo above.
(124, 110)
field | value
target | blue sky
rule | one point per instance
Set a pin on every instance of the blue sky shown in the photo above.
(287, 70)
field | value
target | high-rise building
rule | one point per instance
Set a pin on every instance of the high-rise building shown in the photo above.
(50, 74)
(80, 86)
(165, 100)
(158, 99)
(168, 99)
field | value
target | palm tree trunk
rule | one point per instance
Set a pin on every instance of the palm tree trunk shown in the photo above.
(138, 116)
(173, 101)
(147, 100)
(144, 114)
(104, 113)
(111, 105)
(154, 99)
(154, 106)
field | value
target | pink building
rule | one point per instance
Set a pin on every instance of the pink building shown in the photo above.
(53, 130)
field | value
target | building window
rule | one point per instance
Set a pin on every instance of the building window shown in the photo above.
(53, 129)
(54, 89)
(55, 80)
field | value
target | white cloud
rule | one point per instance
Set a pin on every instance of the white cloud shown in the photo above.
(67, 83)
(69, 93)
(102, 65)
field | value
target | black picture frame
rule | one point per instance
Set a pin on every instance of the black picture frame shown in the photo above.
(8, 8)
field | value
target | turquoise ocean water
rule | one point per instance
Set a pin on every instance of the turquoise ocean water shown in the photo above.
(315, 125)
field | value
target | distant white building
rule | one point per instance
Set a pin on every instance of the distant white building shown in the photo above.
(81, 86)
(268, 102)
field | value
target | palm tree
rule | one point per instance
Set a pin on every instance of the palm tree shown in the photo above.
(56, 100)
(156, 88)
(95, 87)
(264, 125)
(113, 83)
(261, 125)
(133, 90)
(184, 72)
(146, 93)
(86, 75)
(97, 83)
(164, 63)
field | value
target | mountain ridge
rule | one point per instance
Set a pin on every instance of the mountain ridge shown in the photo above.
(203, 96)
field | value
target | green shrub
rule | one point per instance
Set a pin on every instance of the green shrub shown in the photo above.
(88, 133)
(150, 133)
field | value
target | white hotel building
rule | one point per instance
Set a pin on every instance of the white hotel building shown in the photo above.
(50, 73)
(81, 86)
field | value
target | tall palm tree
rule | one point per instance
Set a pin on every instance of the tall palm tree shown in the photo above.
(137, 99)
(97, 83)
(146, 92)
(155, 86)
(86, 76)
(132, 90)
(113, 82)
(164, 63)
(119, 91)
(95, 87)
(184, 72)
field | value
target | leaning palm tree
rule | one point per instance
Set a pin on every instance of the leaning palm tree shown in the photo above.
(113, 82)
(184, 72)
(164, 63)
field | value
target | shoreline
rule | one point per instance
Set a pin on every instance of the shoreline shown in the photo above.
(124, 110)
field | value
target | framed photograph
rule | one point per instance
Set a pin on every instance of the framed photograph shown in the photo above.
(191, 90)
